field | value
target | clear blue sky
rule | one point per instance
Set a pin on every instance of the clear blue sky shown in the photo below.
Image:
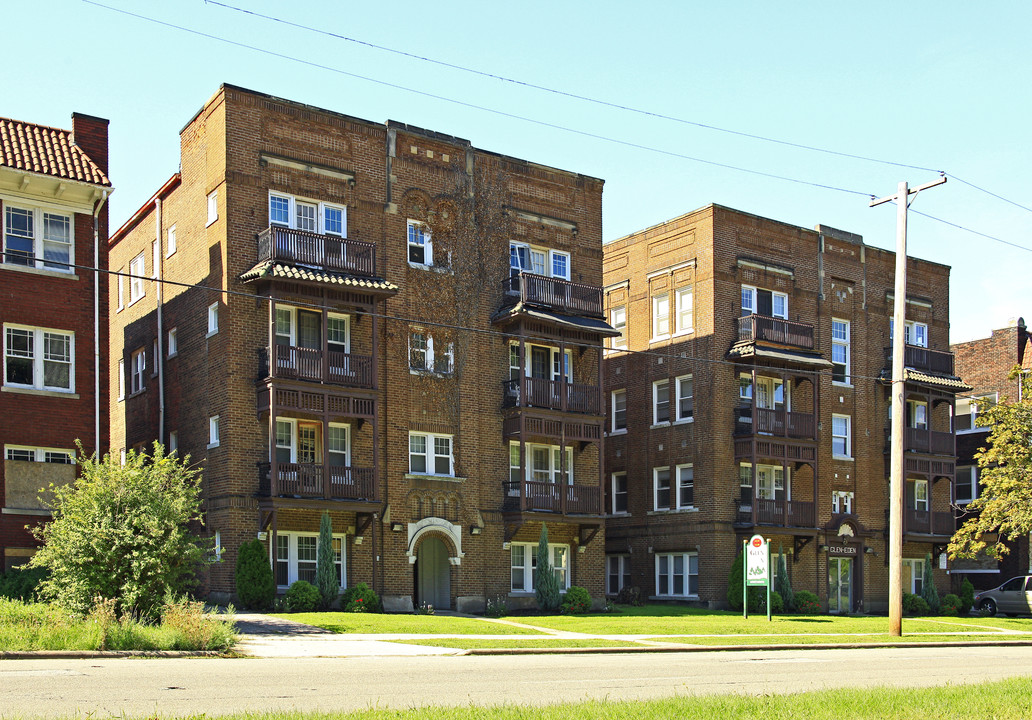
(940, 85)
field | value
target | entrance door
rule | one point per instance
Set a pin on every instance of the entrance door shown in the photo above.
(433, 577)
(840, 585)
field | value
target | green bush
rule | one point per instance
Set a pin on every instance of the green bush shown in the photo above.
(807, 603)
(194, 629)
(496, 608)
(547, 590)
(22, 583)
(928, 591)
(254, 584)
(734, 588)
(951, 605)
(303, 596)
(631, 595)
(326, 576)
(967, 597)
(915, 605)
(782, 585)
(577, 601)
(360, 598)
(777, 604)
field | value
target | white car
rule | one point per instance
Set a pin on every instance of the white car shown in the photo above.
(1012, 598)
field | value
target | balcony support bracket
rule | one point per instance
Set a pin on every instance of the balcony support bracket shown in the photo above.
(591, 530)
(511, 528)
(801, 541)
(364, 520)
(267, 518)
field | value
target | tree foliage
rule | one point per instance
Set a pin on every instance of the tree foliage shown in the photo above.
(547, 589)
(928, 591)
(783, 586)
(1003, 508)
(326, 577)
(122, 533)
(255, 585)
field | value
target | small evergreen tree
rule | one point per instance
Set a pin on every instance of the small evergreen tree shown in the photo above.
(783, 587)
(547, 583)
(734, 587)
(254, 583)
(928, 591)
(326, 577)
(967, 597)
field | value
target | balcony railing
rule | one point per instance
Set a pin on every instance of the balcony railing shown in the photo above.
(779, 423)
(772, 512)
(552, 394)
(316, 481)
(775, 330)
(536, 496)
(328, 252)
(300, 363)
(928, 522)
(557, 294)
(921, 358)
(920, 440)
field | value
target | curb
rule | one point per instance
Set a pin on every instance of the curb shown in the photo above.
(88, 654)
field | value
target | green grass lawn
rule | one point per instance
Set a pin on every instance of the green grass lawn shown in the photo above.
(822, 639)
(520, 642)
(340, 622)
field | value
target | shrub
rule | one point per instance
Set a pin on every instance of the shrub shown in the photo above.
(631, 595)
(195, 629)
(577, 601)
(303, 596)
(734, 588)
(915, 605)
(22, 583)
(807, 603)
(967, 597)
(424, 609)
(547, 583)
(777, 605)
(928, 591)
(951, 605)
(496, 608)
(326, 577)
(360, 598)
(254, 584)
(782, 585)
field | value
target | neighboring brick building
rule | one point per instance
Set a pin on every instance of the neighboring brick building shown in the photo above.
(324, 363)
(985, 365)
(748, 395)
(53, 192)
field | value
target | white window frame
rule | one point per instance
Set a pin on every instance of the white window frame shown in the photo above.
(684, 310)
(615, 397)
(432, 354)
(170, 242)
(841, 502)
(618, 319)
(137, 273)
(656, 473)
(680, 416)
(213, 319)
(972, 472)
(291, 560)
(173, 442)
(214, 434)
(840, 438)
(121, 379)
(690, 562)
(173, 342)
(213, 207)
(155, 257)
(841, 340)
(120, 282)
(552, 472)
(39, 454)
(321, 209)
(430, 454)
(618, 566)
(528, 566)
(751, 305)
(916, 566)
(684, 477)
(656, 406)
(921, 504)
(38, 257)
(971, 404)
(419, 230)
(613, 485)
(660, 316)
(38, 358)
(554, 255)
(137, 368)
(539, 260)
(913, 332)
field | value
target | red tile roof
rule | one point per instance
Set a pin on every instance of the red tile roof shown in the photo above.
(46, 150)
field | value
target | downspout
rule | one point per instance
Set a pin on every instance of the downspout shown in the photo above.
(96, 320)
(159, 275)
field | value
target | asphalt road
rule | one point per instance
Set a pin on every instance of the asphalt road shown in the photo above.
(139, 687)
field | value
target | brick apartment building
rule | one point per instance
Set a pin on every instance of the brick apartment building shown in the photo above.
(377, 321)
(985, 364)
(748, 394)
(53, 191)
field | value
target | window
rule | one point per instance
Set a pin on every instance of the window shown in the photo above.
(660, 402)
(772, 483)
(296, 555)
(917, 414)
(213, 206)
(538, 260)
(913, 575)
(560, 264)
(173, 342)
(121, 292)
(663, 496)
(677, 574)
(840, 436)
(137, 365)
(841, 502)
(420, 244)
(154, 354)
(307, 215)
(43, 455)
(914, 333)
(213, 431)
(37, 238)
(619, 406)
(213, 319)
(618, 494)
(173, 442)
(618, 573)
(660, 316)
(756, 301)
(301, 442)
(523, 562)
(684, 320)
(618, 319)
(430, 454)
(155, 258)
(968, 411)
(39, 358)
(661, 488)
(121, 379)
(137, 271)
(685, 400)
(170, 244)
(544, 463)
(685, 486)
(917, 495)
(967, 484)
(840, 351)
(426, 357)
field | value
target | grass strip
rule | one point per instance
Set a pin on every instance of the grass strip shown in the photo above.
(376, 623)
(831, 639)
(518, 642)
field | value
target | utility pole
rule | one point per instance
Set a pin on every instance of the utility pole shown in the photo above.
(896, 479)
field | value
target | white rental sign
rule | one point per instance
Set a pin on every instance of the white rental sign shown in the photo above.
(757, 565)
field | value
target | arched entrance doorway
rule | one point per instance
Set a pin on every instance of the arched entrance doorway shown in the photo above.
(433, 574)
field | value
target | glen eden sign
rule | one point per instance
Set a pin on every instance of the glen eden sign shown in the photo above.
(756, 569)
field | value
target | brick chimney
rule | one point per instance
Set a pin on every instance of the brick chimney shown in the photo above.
(91, 135)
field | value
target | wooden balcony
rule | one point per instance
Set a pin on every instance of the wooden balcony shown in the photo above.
(548, 429)
(552, 395)
(327, 252)
(536, 496)
(316, 481)
(300, 363)
(763, 328)
(928, 442)
(921, 358)
(751, 420)
(925, 522)
(559, 295)
(800, 513)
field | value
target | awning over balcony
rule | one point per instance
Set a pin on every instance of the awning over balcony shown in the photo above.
(576, 322)
(752, 350)
(273, 269)
(949, 382)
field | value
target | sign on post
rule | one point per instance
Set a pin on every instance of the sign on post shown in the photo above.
(757, 570)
